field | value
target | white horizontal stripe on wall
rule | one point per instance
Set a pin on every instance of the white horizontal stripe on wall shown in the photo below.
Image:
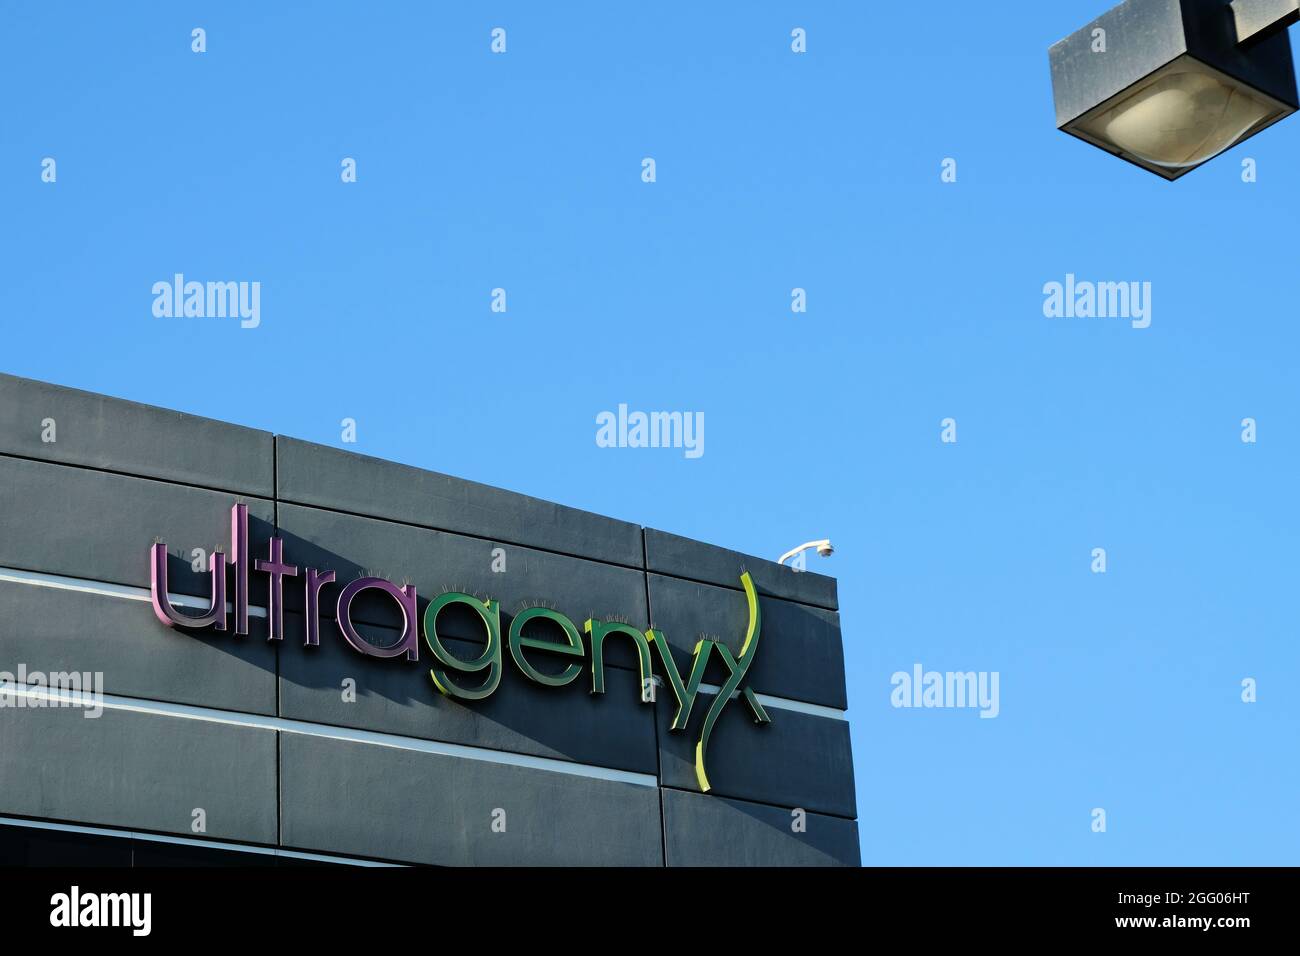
(69, 698)
(185, 841)
(784, 703)
(124, 591)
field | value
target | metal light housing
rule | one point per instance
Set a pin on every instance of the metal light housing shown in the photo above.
(1169, 84)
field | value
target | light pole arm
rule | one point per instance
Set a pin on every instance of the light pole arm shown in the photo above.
(1257, 19)
(823, 546)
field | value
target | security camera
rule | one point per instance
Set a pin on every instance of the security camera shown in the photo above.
(825, 549)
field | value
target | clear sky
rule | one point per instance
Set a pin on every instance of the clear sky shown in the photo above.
(775, 171)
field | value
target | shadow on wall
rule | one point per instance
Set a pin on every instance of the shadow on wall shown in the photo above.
(334, 684)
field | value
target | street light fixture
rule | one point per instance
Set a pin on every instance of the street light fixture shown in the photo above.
(824, 548)
(1170, 84)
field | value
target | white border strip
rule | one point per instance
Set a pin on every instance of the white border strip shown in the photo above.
(184, 841)
(784, 703)
(124, 591)
(285, 725)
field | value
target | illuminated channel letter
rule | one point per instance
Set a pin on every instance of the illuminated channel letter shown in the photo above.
(599, 630)
(685, 693)
(162, 603)
(738, 666)
(405, 598)
(239, 558)
(760, 715)
(312, 584)
(275, 568)
(489, 612)
(573, 647)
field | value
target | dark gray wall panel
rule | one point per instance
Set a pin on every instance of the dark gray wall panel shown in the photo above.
(798, 760)
(90, 524)
(139, 771)
(435, 562)
(318, 475)
(397, 697)
(366, 800)
(51, 629)
(702, 830)
(686, 558)
(117, 435)
(800, 653)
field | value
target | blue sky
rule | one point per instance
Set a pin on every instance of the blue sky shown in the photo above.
(774, 171)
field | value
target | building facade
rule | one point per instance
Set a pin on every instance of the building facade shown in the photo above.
(222, 644)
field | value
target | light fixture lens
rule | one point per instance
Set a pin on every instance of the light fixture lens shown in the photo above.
(1182, 119)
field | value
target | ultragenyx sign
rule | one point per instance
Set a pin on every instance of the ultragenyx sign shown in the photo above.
(488, 613)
